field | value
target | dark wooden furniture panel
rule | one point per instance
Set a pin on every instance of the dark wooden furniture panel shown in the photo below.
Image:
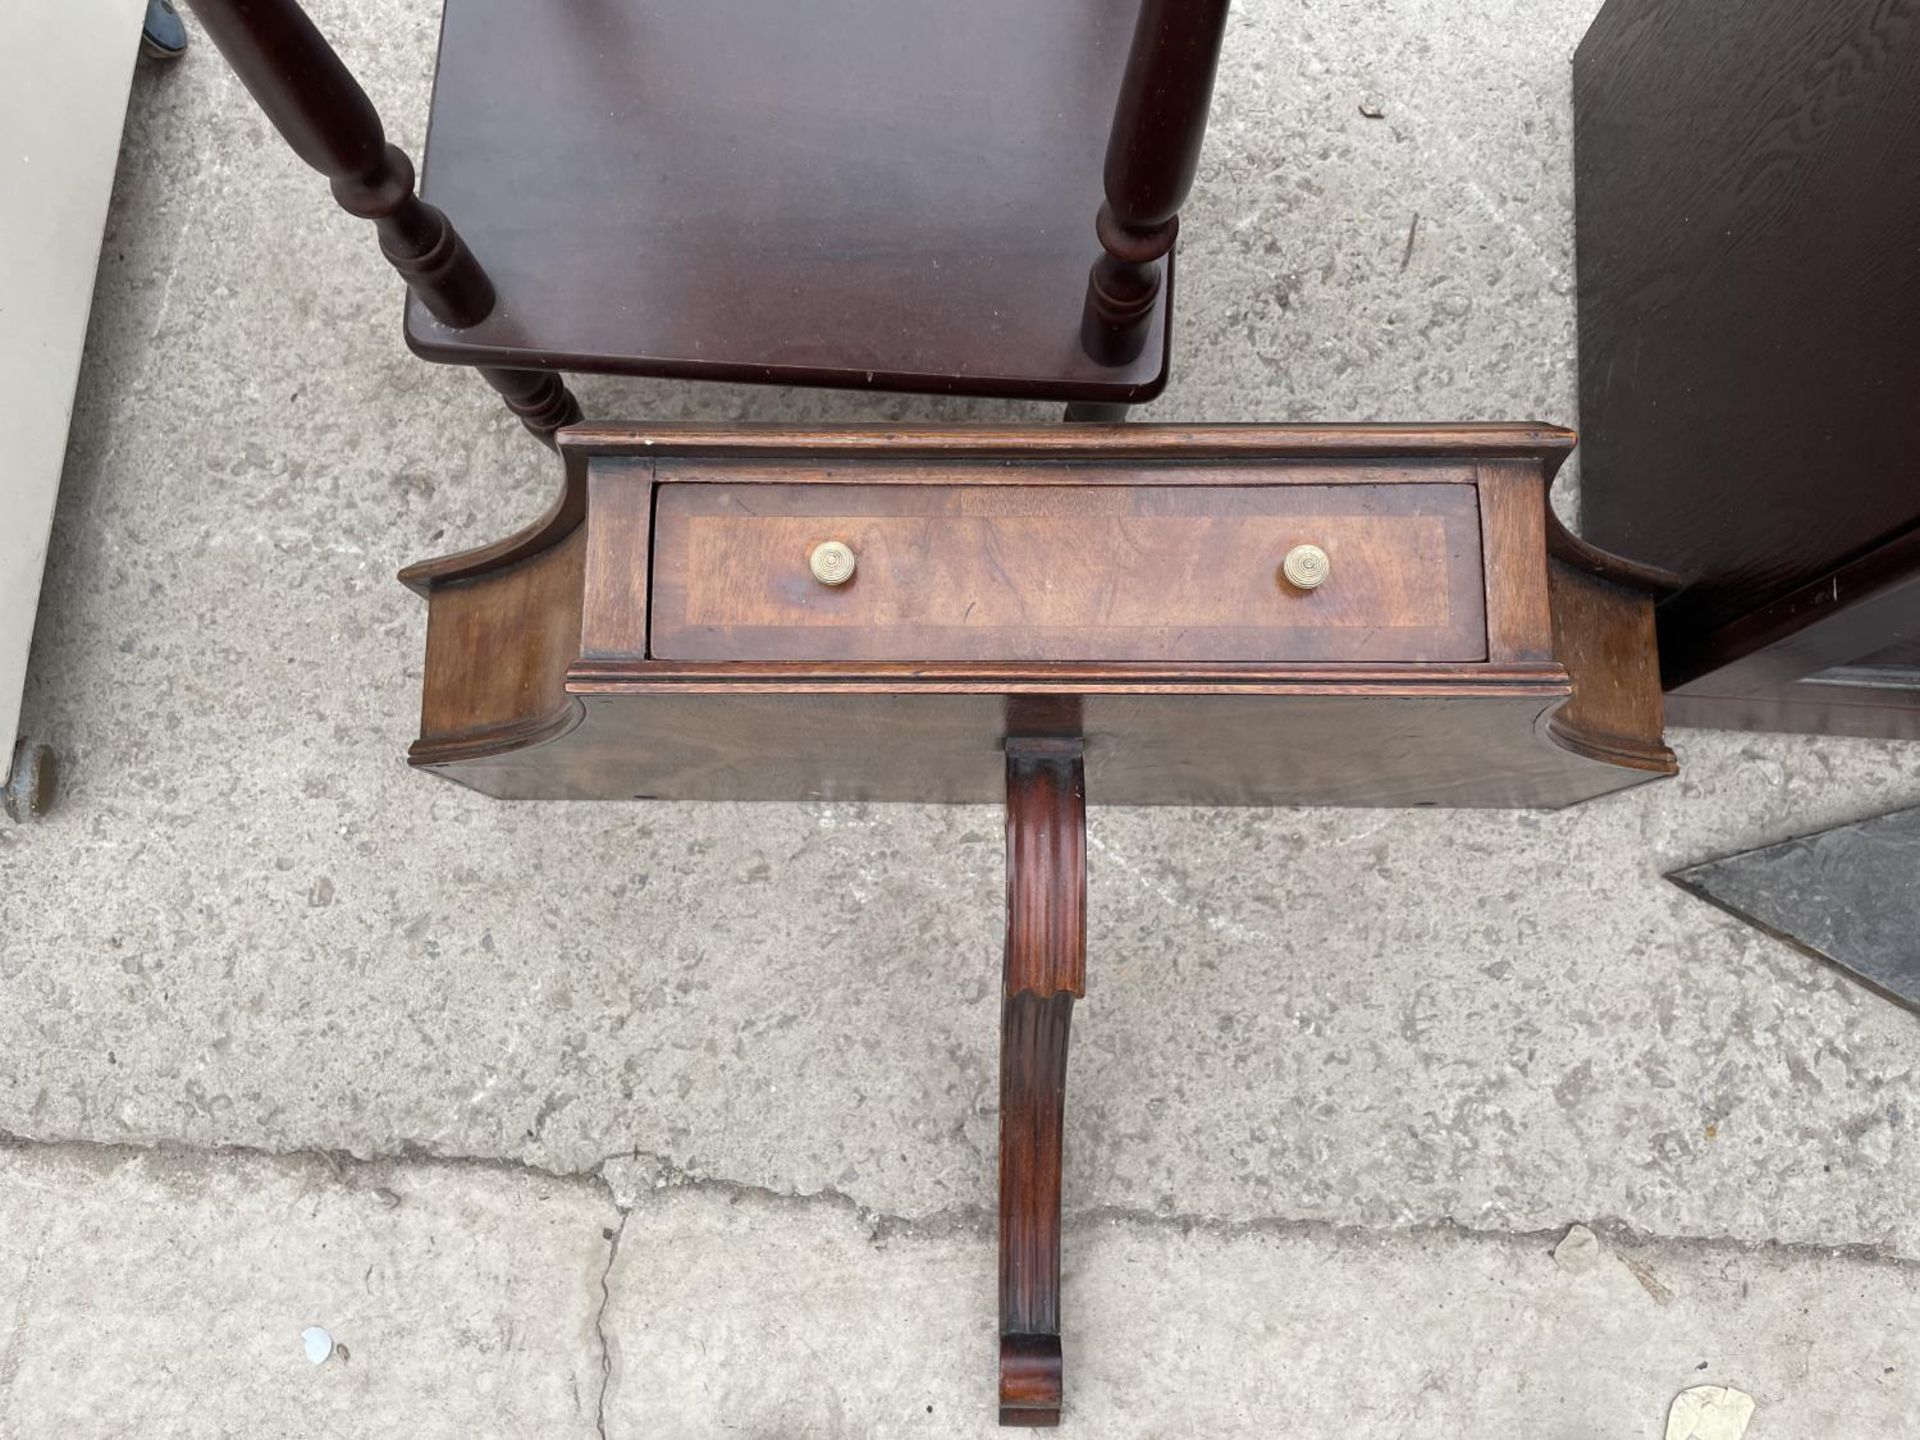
(1748, 190)
(1100, 572)
(1370, 740)
(1836, 657)
(974, 199)
(1155, 544)
(862, 193)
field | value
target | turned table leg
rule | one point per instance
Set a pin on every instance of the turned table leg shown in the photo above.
(321, 111)
(539, 397)
(1046, 964)
(1153, 154)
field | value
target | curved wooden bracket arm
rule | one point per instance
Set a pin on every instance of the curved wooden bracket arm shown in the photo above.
(562, 518)
(1564, 545)
(1046, 966)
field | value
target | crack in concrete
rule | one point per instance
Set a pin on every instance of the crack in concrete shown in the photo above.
(1619, 1234)
(12, 1352)
(981, 1220)
(954, 1219)
(600, 1323)
(965, 1219)
(340, 1163)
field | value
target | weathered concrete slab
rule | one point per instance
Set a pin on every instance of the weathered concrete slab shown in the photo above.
(167, 1295)
(739, 1316)
(171, 1294)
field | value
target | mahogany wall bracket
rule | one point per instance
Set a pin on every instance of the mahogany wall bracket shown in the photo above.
(1046, 971)
(1032, 610)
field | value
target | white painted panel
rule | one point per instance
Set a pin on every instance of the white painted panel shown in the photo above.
(65, 69)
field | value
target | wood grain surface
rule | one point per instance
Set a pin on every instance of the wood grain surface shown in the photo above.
(1045, 971)
(1101, 572)
(1179, 730)
(1513, 514)
(1408, 447)
(497, 654)
(1748, 193)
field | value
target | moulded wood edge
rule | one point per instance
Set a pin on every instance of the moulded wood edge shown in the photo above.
(1547, 443)
(490, 742)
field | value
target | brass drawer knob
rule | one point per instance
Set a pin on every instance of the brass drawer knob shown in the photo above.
(1306, 567)
(832, 563)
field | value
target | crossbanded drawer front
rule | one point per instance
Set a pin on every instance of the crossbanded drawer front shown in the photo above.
(1143, 573)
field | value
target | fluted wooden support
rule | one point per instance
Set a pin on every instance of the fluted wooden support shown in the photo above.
(1152, 156)
(321, 111)
(1046, 967)
(539, 397)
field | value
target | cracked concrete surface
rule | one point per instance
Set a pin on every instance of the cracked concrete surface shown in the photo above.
(155, 1293)
(1349, 1034)
(153, 1290)
(1197, 1329)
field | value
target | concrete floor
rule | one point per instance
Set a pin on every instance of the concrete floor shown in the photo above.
(679, 1120)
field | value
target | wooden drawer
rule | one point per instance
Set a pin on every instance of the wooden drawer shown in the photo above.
(1067, 573)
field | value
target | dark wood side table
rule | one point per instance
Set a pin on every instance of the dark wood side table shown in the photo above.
(1211, 616)
(977, 199)
(1747, 180)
